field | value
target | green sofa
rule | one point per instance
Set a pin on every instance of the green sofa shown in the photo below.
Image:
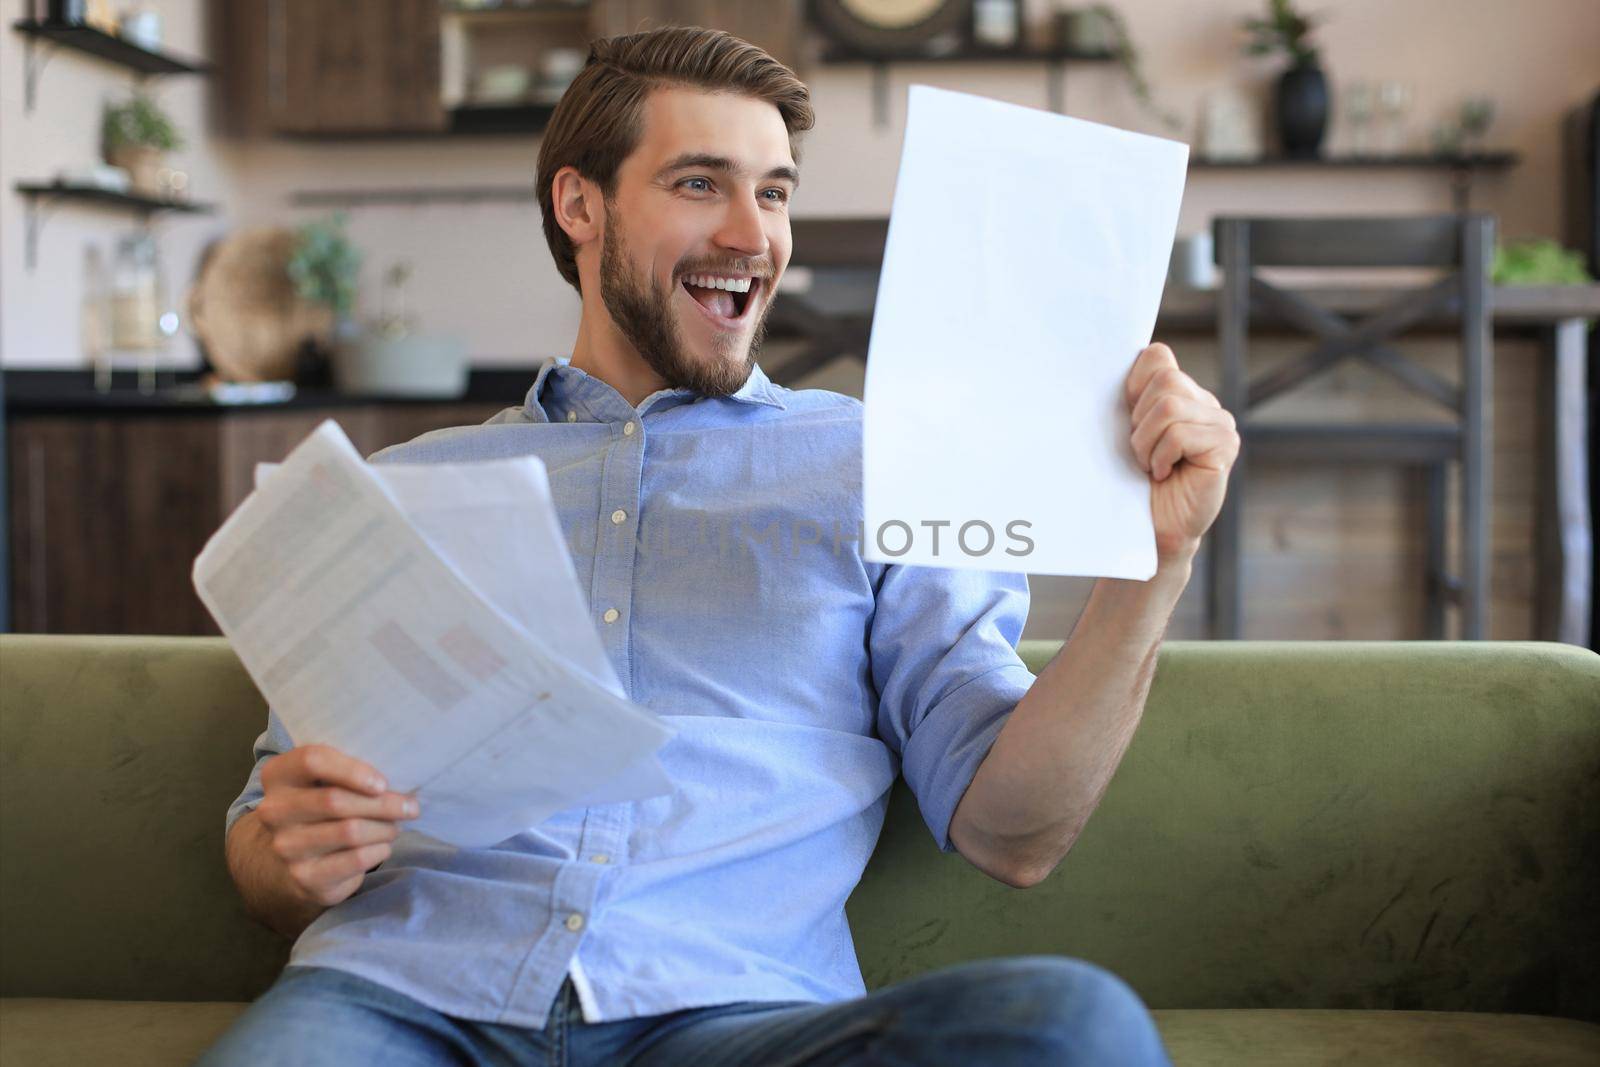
(1313, 853)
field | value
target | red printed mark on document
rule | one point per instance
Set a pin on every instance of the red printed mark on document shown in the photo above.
(471, 653)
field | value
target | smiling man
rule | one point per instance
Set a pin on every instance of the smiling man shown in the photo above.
(707, 925)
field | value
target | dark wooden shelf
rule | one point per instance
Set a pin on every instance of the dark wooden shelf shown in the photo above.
(93, 194)
(1466, 161)
(971, 54)
(505, 119)
(413, 197)
(41, 196)
(471, 120)
(543, 9)
(90, 41)
(1056, 60)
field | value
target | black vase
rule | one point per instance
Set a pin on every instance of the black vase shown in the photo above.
(1302, 109)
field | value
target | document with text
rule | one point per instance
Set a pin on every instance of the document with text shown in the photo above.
(1022, 275)
(427, 619)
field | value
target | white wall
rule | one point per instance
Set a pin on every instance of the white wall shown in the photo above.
(40, 308)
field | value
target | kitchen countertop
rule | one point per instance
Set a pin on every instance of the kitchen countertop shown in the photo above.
(64, 392)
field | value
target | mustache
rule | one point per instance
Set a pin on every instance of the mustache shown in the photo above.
(759, 269)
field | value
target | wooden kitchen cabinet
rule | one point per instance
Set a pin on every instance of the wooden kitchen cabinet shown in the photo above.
(313, 68)
(108, 509)
(773, 25)
(365, 68)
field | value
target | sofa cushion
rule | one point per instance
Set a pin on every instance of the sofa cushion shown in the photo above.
(43, 1032)
(69, 1033)
(1315, 1038)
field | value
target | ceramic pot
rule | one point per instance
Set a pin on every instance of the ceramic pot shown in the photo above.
(1302, 110)
(370, 365)
(143, 165)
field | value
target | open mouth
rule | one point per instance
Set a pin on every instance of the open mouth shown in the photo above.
(725, 301)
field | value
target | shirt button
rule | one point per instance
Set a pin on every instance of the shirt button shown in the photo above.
(628, 428)
(572, 416)
(600, 857)
(611, 615)
(619, 517)
(574, 922)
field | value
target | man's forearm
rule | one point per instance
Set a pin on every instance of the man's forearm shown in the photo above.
(1051, 763)
(269, 896)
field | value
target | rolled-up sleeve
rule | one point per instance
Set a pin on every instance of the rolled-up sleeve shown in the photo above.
(273, 740)
(943, 649)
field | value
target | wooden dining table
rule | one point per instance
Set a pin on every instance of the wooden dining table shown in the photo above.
(828, 307)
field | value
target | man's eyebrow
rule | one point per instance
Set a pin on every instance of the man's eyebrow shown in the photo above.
(726, 165)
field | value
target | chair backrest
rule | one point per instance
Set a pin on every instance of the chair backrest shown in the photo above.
(1339, 242)
(1461, 244)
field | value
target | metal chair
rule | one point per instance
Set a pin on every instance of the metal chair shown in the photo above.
(1461, 244)
(834, 318)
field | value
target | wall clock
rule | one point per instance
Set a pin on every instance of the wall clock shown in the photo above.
(890, 28)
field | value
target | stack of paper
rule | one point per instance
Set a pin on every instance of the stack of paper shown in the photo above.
(427, 620)
(1021, 278)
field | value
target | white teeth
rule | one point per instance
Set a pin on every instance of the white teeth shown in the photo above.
(707, 281)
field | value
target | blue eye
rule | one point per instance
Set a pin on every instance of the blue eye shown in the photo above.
(783, 194)
(686, 181)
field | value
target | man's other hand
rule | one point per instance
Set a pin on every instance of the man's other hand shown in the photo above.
(330, 819)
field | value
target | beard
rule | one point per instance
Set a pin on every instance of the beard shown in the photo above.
(643, 313)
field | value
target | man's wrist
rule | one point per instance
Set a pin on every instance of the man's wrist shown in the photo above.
(1178, 557)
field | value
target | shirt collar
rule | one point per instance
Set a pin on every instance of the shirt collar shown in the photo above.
(560, 387)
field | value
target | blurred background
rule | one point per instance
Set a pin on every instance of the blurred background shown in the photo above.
(223, 221)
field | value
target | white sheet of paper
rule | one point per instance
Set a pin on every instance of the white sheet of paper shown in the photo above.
(495, 523)
(1024, 267)
(362, 635)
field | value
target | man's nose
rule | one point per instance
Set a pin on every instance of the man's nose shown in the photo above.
(743, 230)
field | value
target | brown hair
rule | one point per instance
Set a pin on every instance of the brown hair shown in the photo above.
(599, 120)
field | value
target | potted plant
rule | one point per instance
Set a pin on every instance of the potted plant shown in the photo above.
(324, 268)
(1302, 90)
(136, 136)
(1538, 261)
(392, 357)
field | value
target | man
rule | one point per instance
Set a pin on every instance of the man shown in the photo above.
(715, 521)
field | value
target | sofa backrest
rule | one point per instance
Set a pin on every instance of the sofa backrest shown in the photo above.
(1398, 825)
(118, 759)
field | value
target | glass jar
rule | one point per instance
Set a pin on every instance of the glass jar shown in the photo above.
(142, 324)
(136, 298)
(94, 321)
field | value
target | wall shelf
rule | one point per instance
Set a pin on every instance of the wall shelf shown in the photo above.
(1469, 161)
(1462, 167)
(545, 9)
(92, 42)
(1054, 59)
(971, 54)
(414, 197)
(501, 119)
(42, 197)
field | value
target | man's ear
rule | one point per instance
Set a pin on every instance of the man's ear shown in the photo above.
(577, 204)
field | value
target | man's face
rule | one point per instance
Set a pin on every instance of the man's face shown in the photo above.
(703, 198)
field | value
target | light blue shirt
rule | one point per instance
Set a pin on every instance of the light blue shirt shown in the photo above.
(718, 541)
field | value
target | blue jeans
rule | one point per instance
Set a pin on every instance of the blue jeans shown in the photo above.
(995, 1013)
